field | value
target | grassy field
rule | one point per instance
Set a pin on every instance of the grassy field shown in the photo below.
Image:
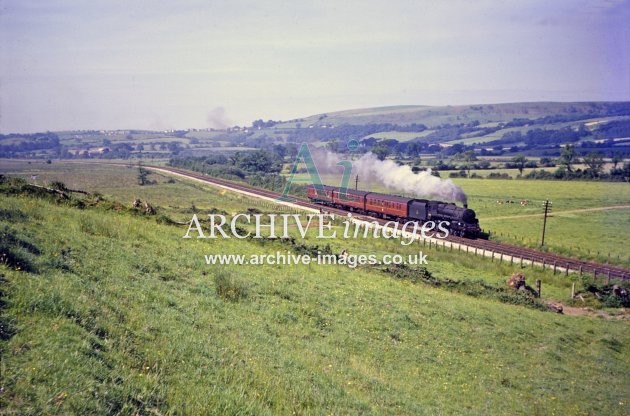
(398, 135)
(119, 314)
(438, 115)
(578, 226)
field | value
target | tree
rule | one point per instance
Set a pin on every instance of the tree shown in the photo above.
(616, 159)
(259, 161)
(547, 162)
(414, 149)
(594, 161)
(280, 150)
(568, 156)
(292, 150)
(519, 161)
(468, 158)
(174, 147)
(332, 145)
(142, 176)
(380, 151)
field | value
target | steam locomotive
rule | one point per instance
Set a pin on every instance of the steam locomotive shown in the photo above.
(463, 221)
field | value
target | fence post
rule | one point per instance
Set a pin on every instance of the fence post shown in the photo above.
(538, 287)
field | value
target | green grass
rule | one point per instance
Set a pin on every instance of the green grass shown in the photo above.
(124, 316)
(438, 115)
(400, 136)
(570, 231)
(590, 234)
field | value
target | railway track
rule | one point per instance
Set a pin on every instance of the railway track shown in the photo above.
(491, 248)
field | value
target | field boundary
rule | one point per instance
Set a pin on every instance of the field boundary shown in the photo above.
(569, 211)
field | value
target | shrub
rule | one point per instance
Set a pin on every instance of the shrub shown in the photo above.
(497, 175)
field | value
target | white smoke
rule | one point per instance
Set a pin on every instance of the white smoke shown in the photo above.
(393, 177)
(217, 119)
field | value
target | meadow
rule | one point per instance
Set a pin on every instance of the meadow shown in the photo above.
(120, 315)
(588, 219)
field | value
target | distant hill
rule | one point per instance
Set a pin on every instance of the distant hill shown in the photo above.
(535, 129)
(433, 116)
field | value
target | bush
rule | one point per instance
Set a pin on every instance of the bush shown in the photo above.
(497, 175)
(474, 288)
(598, 293)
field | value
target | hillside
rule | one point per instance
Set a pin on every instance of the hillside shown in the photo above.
(110, 311)
(433, 116)
(535, 129)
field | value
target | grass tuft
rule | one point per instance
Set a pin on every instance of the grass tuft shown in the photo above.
(230, 287)
(16, 251)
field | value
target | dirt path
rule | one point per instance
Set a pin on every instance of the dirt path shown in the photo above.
(624, 314)
(570, 211)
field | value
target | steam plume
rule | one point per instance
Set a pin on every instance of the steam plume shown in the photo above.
(217, 119)
(393, 177)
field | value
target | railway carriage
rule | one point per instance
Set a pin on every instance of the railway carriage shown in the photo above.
(387, 206)
(350, 199)
(322, 194)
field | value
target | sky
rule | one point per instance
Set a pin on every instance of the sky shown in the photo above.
(110, 64)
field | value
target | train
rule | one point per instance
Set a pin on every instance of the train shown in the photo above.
(462, 221)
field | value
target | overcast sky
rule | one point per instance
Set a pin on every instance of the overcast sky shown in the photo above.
(71, 64)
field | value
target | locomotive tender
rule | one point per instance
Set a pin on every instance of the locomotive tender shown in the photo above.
(462, 221)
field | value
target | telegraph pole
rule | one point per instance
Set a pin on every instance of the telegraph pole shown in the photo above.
(356, 182)
(547, 210)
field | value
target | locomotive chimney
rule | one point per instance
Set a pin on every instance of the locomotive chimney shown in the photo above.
(465, 205)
